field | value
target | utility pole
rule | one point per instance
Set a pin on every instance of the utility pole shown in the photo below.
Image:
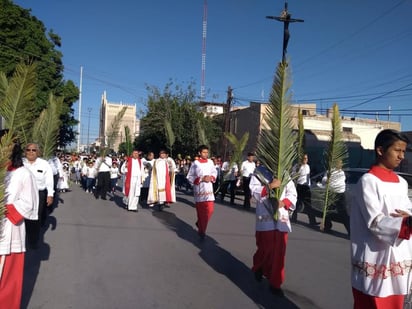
(285, 17)
(89, 109)
(80, 109)
(227, 119)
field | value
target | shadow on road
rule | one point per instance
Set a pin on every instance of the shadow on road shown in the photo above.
(226, 264)
(32, 262)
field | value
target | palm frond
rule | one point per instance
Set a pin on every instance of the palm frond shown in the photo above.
(6, 145)
(170, 135)
(275, 147)
(18, 95)
(128, 139)
(47, 126)
(113, 131)
(238, 147)
(300, 137)
(336, 155)
(201, 133)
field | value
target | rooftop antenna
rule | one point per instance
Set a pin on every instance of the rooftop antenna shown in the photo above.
(202, 83)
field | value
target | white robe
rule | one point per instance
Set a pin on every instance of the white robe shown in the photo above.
(135, 184)
(381, 262)
(162, 168)
(22, 192)
(264, 220)
(203, 191)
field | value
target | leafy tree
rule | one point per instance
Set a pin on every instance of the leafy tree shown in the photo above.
(23, 38)
(174, 121)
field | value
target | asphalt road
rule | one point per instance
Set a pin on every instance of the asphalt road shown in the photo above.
(95, 254)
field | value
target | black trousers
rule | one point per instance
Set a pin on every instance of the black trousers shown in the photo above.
(33, 226)
(305, 197)
(340, 206)
(231, 185)
(246, 191)
(103, 184)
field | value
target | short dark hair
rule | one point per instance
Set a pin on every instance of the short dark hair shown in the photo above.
(249, 154)
(202, 147)
(386, 138)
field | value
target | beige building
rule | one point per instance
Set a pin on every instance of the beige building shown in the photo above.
(317, 127)
(358, 133)
(108, 112)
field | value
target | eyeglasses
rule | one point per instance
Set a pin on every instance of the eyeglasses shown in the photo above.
(31, 149)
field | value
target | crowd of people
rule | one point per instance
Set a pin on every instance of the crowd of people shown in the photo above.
(380, 221)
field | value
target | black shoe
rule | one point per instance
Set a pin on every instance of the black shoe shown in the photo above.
(161, 207)
(314, 223)
(277, 291)
(103, 198)
(258, 275)
(202, 237)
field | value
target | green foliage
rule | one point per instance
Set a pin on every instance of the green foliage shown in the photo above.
(46, 128)
(274, 148)
(23, 38)
(238, 147)
(127, 146)
(113, 132)
(336, 155)
(178, 106)
(17, 97)
(170, 136)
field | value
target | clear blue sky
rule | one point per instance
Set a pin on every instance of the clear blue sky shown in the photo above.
(355, 53)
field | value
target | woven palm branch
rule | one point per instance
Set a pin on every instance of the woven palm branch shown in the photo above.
(300, 137)
(113, 131)
(275, 147)
(170, 135)
(336, 155)
(201, 133)
(238, 147)
(17, 97)
(47, 126)
(128, 138)
(16, 101)
(6, 145)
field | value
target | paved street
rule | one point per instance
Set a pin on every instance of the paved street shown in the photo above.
(95, 254)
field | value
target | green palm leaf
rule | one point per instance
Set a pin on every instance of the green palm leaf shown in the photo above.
(17, 96)
(201, 133)
(238, 147)
(336, 155)
(170, 135)
(300, 137)
(113, 131)
(275, 146)
(16, 101)
(47, 126)
(128, 138)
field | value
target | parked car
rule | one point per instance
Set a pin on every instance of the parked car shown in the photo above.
(352, 177)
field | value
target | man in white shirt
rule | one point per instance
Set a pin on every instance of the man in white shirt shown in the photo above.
(103, 166)
(247, 169)
(43, 174)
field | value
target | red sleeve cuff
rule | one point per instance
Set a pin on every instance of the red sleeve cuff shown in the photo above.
(264, 192)
(287, 203)
(197, 181)
(405, 231)
(13, 215)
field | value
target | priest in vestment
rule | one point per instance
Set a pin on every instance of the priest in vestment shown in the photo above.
(162, 181)
(133, 182)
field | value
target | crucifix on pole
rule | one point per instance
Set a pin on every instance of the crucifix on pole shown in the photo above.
(285, 17)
